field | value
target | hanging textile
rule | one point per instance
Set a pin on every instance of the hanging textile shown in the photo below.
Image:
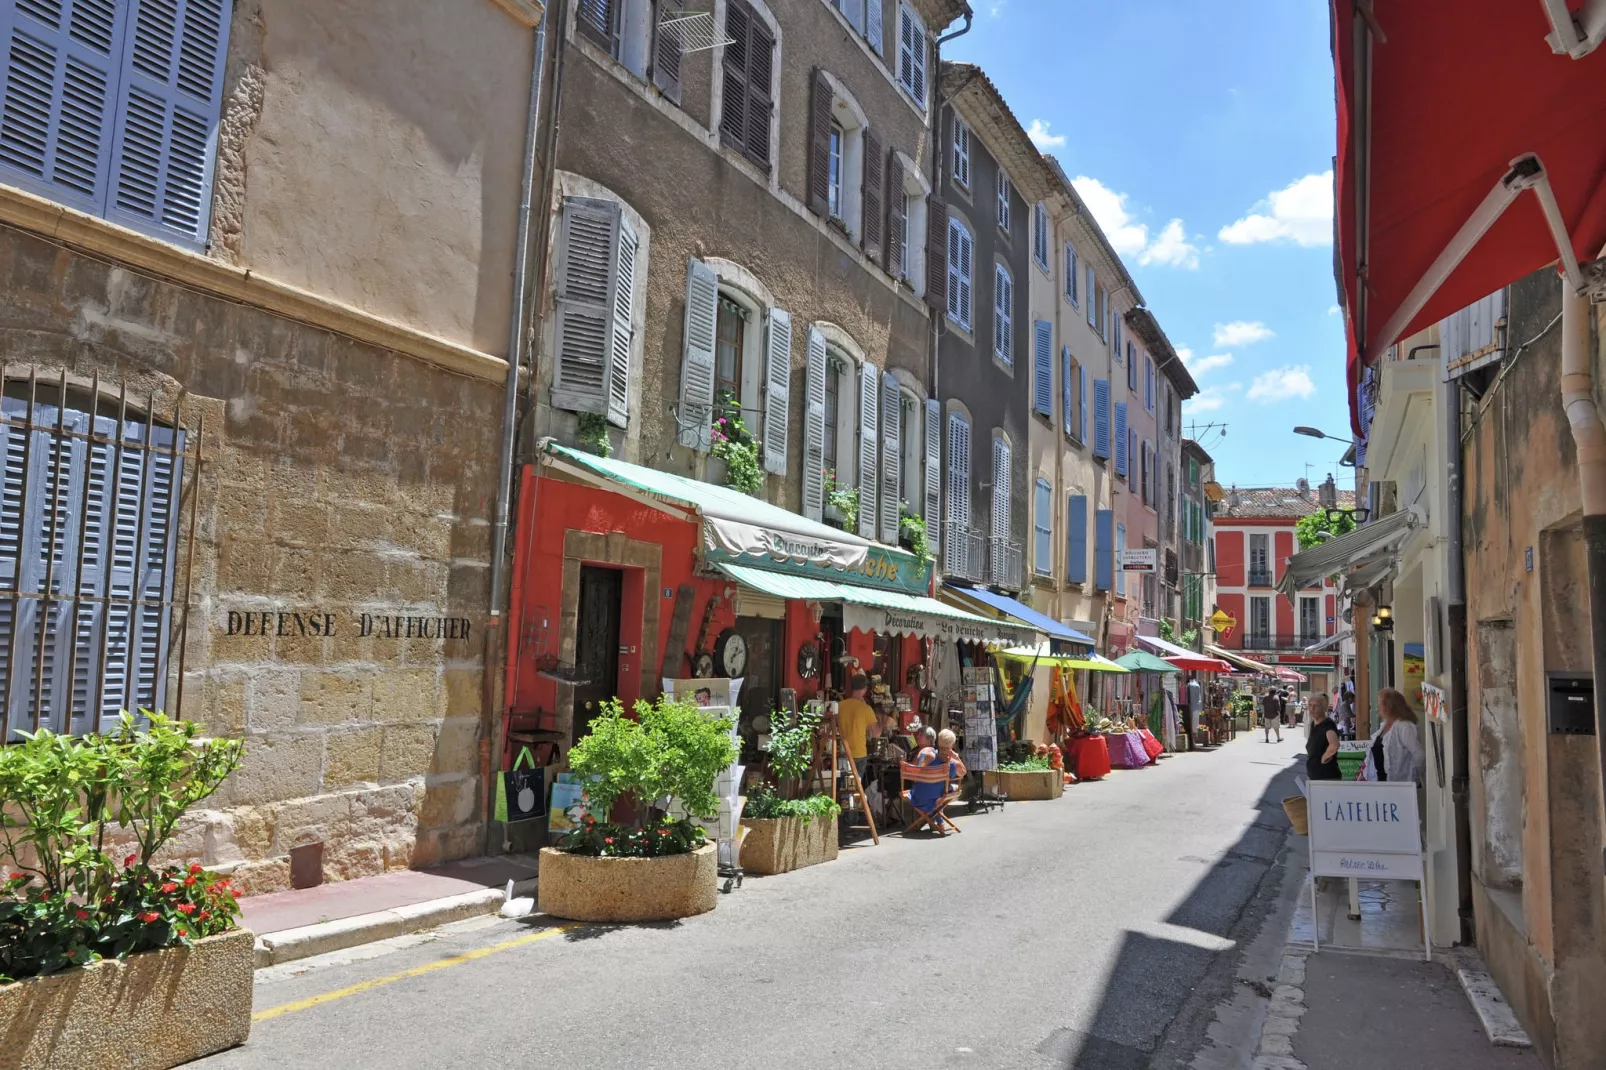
(1012, 707)
(1064, 707)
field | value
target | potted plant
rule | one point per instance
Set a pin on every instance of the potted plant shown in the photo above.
(841, 503)
(787, 829)
(592, 435)
(653, 868)
(734, 444)
(912, 533)
(108, 965)
(1027, 777)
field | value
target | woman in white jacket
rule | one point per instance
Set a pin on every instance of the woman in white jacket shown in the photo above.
(1396, 750)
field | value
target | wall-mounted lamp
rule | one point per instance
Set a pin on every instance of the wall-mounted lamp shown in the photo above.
(1383, 619)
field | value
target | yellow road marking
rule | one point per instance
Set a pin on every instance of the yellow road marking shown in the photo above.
(416, 971)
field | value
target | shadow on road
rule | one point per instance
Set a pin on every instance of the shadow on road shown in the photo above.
(584, 931)
(1161, 994)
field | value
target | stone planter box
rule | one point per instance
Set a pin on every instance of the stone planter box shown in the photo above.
(152, 1010)
(1026, 787)
(583, 888)
(780, 844)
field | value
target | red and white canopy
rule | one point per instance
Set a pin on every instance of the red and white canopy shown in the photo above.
(1182, 657)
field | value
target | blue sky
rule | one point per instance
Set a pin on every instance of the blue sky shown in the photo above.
(1201, 136)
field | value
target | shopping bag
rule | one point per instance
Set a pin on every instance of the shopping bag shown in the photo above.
(521, 791)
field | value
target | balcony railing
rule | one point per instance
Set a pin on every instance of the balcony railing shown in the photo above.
(1004, 563)
(964, 554)
(1261, 577)
(1285, 641)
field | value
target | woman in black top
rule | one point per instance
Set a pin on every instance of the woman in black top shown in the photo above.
(1321, 747)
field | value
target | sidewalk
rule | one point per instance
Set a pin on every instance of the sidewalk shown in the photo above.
(331, 917)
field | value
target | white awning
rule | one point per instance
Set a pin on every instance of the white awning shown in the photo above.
(1330, 642)
(1383, 536)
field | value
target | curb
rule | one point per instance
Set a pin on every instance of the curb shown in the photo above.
(289, 945)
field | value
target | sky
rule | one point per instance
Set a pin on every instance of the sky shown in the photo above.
(1201, 136)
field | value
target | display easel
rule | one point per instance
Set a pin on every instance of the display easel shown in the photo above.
(839, 751)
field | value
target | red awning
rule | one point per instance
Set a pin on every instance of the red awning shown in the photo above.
(1199, 663)
(1436, 99)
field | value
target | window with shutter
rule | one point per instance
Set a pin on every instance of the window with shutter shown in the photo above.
(825, 140)
(932, 486)
(912, 54)
(596, 271)
(777, 390)
(113, 108)
(1043, 530)
(1081, 403)
(1003, 200)
(872, 193)
(668, 49)
(1040, 235)
(814, 425)
(873, 32)
(1092, 300)
(959, 257)
(1120, 546)
(1131, 448)
(1120, 438)
(1148, 382)
(694, 416)
(1001, 488)
(747, 70)
(1067, 391)
(1043, 368)
(897, 259)
(1103, 549)
(869, 407)
(956, 548)
(937, 256)
(1071, 273)
(961, 152)
(1076, 542)
(598, 21)
(1003, 314)
(891, 458)
(1131, 363)
(1101, 418)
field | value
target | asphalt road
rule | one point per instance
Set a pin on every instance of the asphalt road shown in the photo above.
(1109, 929)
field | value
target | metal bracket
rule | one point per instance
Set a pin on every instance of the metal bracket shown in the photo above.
(695, 30)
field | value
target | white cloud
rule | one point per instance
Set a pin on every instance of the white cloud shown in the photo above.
(1206, 364)
(1333, 310)
(997, 8)
(1172, 249)
(1040, 136)
(1300, 212)
(1280, 384)
(1210, 399)
(1242, 333)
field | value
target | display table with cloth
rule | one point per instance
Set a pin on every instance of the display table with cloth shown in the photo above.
(1126, 750)
(1151, 746)
(1087, 756)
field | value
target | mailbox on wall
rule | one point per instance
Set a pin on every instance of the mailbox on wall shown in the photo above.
(1570, 708)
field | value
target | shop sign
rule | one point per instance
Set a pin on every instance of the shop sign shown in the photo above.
(730, 542)
(310, 623)
(874, 619)
(1221, 622)
(1145, 560)
(1364, 829)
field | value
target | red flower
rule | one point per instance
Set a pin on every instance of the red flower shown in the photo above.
(195, 867)
(169, 888)
(129, 860)
(184, 932)
(607, 839)
(206, 915)
(81, 914)
(186, 908)
(148, 917)
(71, 954)
(18, 877)
(189, 882)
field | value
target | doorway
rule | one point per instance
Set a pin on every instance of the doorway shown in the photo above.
(596, 645)
(761, 686)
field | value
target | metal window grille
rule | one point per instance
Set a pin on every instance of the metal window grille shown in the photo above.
(89, 522)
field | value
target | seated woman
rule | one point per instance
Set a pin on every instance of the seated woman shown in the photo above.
(929, 797)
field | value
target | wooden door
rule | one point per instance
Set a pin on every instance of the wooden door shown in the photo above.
(761, 687)
(596, 648)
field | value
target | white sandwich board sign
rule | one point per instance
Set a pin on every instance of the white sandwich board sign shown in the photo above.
(1367, 830)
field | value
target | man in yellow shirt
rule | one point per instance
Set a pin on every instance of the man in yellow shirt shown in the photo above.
(856, 718)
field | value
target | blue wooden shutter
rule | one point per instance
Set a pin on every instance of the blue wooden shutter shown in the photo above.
(166, 141)
(1120, 573)
(1120, 438)
(1076, 543)
(1104, 549)
(1101, 417)
(1043, 368)
(1043, 529)
(1081, 405)
(1065, 391)
(58, 102)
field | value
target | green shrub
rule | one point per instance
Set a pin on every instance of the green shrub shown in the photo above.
(764, 804)
(1036, 763)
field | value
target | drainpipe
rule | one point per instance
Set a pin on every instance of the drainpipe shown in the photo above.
(494, 635)
(1578, 399)
(1456, 611)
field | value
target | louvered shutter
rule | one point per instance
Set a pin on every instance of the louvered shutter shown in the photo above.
(912, 54)
(1004, 315)
(733, 105)
(598, 20)
(584, 325)
(814, 429)
(760, 105)
(1131, 448)
(1120, 545)
(696, 410)
(897, 238)
(623, 299)
(872, 193)
(933, 474)
(1092, 300)
(1001, 477)
(156, 474)
(1081, 404)
(1043, 367)
(172, 88)
(854, 10)
(1067, 388)
(1104, 549)
(12, 566)
(668, 50)
(873, 31)
(960, 265)
(99, 533)
(1076, 544)
(936, 255)
(1120, 438)
(957, 517)
(1101, 418)
(891, 457)
(869, 406)
(777, 391)
(59, 99)
(820, 145)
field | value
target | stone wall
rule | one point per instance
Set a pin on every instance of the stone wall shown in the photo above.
(339, 479)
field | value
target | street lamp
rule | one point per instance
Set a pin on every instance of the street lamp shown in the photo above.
(1311, 432)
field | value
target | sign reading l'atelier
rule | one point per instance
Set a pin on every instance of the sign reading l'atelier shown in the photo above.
(318, 624)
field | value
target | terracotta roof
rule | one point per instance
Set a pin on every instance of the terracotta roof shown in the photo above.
(1275, 503)
(940, 14)
(990, 118)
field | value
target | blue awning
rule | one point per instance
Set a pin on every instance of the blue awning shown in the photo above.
(1006, 605)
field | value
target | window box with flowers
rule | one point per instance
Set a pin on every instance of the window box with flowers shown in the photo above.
(105, 964)
(654, 867)
(734, 444)
(841, 503)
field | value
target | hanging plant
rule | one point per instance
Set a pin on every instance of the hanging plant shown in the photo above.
(735, 446)
(912, 533)
(593, 434)
(843, 502)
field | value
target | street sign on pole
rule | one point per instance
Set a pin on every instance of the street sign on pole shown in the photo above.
(1144, 560)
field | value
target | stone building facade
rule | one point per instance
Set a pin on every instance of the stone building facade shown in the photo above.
(318, 360)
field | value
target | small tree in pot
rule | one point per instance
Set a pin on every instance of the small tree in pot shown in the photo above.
(788, 829)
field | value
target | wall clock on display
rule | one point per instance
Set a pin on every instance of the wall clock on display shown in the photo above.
(808, 660)
(730, 653)
(702, 666)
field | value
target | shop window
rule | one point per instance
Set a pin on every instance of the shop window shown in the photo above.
(112, 108)
(89, 524)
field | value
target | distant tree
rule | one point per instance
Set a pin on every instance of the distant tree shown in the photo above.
(1317, 528)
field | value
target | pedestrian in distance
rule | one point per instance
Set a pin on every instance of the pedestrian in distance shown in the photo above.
(1270, 716)
(1321, 748)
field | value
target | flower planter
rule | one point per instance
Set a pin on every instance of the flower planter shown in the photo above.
(585, 888)
(780, 844)
(1026, 787)
(152, 1010)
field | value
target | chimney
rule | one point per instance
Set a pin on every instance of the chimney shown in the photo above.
(1327, 493)
(1302, 485)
